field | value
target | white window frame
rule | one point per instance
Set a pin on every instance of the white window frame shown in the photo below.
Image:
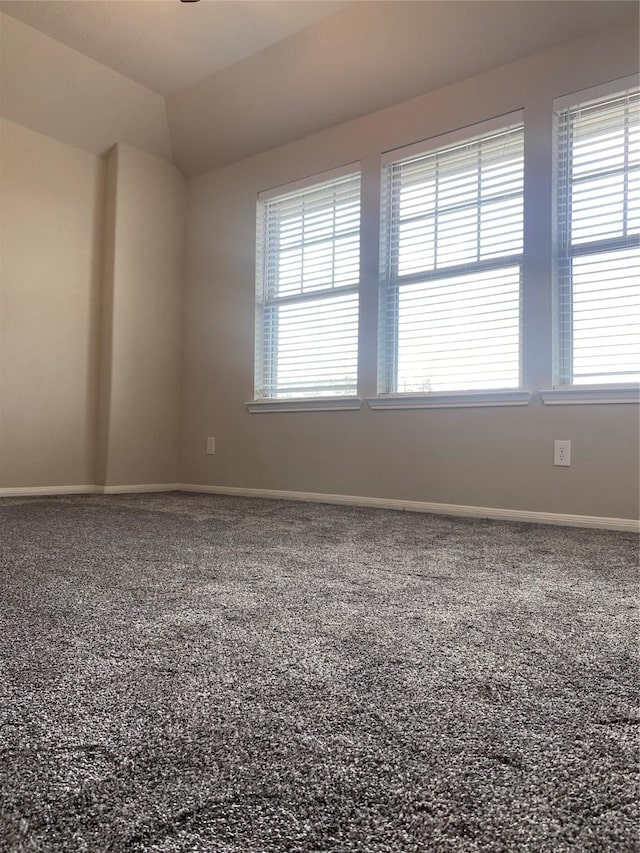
(564, 392)
(302, 403)
(386, 399)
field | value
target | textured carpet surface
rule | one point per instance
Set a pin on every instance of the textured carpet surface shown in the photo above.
(200, 674)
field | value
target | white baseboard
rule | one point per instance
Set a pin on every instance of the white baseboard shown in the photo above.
(145, 487)
(534, 517)
(562, 519)
(35, 491)
(42, 491)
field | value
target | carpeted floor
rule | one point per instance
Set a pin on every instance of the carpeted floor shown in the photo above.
(200, 674)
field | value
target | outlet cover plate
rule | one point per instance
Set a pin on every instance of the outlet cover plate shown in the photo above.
(562, 453)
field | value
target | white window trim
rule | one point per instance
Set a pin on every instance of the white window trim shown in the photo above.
(306, 404)
(451, 400)
(580, 395)
(566, 393)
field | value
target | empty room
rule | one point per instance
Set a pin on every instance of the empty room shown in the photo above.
(319, 426)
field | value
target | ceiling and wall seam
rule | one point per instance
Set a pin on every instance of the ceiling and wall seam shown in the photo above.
(316, 77)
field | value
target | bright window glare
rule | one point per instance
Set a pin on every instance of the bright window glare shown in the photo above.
(317, 348)
(466, 337)
(606, 317)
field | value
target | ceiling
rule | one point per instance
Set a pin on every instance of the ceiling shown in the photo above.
(164, 44)
(241, 76)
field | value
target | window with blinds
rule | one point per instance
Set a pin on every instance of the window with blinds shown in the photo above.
(598, 216)
(308, 272)
(451, 265)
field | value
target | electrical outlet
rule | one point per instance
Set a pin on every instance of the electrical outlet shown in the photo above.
(211, 445)
(562, 453)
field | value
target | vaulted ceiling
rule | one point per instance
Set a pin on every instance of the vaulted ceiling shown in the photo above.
(241, 76)
(164, 45)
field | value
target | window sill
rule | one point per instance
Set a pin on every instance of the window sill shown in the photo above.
(576, 396)
(319, 404)
(453, 400)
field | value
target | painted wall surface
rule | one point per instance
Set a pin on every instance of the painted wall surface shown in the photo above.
(50, 270)
(141, 350)
(55, 90)
(500, 457)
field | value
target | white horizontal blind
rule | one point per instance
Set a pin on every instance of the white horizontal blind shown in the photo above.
(451, 267)
(307, 291)
(598, 150)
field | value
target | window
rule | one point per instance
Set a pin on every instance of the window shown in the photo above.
(308, 276)
(598, 217)
(452, 264)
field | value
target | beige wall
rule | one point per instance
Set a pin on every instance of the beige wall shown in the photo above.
(484, 457)
(141, 350)
(61, 425)
(92, 260)
(50, 269)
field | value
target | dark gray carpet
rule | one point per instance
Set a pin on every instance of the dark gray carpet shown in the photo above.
(195, 673)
